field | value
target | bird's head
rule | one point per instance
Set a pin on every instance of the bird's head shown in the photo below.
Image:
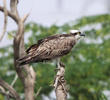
(77, 34)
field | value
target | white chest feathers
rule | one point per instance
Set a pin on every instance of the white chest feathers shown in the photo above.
(77, 37)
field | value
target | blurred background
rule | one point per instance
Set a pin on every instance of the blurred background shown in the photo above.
(87, 66)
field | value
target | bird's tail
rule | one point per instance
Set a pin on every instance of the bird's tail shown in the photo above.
(24, 60)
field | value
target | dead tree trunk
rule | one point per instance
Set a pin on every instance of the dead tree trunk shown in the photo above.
(28, 80)
(60, 84)
(25, 73)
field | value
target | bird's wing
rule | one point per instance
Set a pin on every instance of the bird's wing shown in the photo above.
(50, 47)
(48, 38)
(34, 47)
(57, 36)
(53, 48)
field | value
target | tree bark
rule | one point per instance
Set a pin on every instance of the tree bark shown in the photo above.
(13, 93)
(25, 73)
(60, 84)
(28, 80)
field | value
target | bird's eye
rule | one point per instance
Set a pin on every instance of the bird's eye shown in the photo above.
(79, 32)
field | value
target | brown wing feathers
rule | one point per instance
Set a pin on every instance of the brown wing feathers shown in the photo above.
(35, 46)
(47, 49)
(31, 48)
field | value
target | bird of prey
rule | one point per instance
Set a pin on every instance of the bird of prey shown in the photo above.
(52, 47)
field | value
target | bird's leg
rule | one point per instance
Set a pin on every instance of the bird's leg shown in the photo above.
(57, 63)
(57, 69)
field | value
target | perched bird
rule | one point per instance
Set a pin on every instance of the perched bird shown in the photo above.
(52, 47)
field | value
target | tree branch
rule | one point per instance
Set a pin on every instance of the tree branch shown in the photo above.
(3, 92)
(13, 7)
(28, 78)
(60, 84)
(5, 20)
(25, 17)
(36, 95)
(10, 89)
(15, 79)
(9, 14)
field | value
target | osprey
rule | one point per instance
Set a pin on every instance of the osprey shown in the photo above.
(52, 47)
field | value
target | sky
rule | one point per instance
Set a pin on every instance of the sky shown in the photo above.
(48, 12)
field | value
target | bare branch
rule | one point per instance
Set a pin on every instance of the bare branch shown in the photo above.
(10, 89)
(9, 14)
(13, 6)
(36, 95)
(25, 17)
(28, 78)
(5, 20)
(60, 84)
(12, 84)
(6, 94)
(2, 91)
(15, 79)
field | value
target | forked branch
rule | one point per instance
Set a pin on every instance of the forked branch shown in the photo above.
(28, 78)
(12, 92)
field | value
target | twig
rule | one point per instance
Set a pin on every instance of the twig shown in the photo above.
(12, 84)
(36, 95)
(2, 89)
(15, 79)
(4, 93)
(25, 17)
(13, 93)
(5, 21)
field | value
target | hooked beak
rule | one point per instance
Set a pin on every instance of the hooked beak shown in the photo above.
(82, 34)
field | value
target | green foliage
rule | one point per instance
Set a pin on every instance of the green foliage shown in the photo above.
(87, 66)
(1, 97)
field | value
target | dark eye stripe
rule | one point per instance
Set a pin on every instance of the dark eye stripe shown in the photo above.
(75, 33)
